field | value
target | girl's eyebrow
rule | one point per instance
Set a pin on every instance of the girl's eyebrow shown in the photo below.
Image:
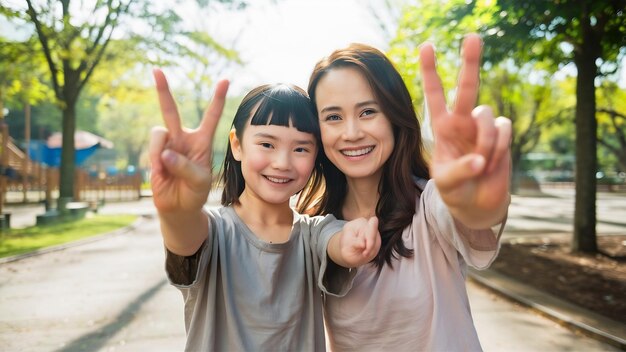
(265, 135)
(358, 105)
(272, 137)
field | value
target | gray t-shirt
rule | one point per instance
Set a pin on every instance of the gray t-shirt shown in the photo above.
(245, 294)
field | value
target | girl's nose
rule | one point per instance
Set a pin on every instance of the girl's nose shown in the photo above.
(282, 160)
(352, 130)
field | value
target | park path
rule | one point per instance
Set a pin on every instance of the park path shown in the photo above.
(103, 295)
(111, 295)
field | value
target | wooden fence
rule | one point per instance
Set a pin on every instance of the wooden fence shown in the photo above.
(23, 180)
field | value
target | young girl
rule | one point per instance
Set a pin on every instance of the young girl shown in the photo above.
(412, 297)
(248, 271)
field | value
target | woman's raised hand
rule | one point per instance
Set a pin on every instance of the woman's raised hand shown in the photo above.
(181, 158)
(471, 157)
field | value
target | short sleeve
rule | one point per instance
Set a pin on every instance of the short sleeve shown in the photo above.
(478, 247)
(183, 271)
(333, 279)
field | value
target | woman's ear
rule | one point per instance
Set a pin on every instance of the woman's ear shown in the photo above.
(235, 144)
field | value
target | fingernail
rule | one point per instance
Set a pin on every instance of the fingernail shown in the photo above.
(478, 163)
(168, 157)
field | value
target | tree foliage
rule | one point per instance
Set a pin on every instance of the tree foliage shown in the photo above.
(612, 124)
(76, 38)
(588, 34)
(505, 85)
(21, 74)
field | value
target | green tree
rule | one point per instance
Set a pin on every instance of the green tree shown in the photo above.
(588, 34)
(505, 85)
(21, 74)
(73, 48)
(531, 107)
(194, 55)
(126, 116)
(77, 37)
(612, 122)
(208, 60)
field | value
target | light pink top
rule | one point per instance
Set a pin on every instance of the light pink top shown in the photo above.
(421, 303)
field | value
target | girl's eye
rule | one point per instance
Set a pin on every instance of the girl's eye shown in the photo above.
(332, 118)
(266, 145)
(301, 150)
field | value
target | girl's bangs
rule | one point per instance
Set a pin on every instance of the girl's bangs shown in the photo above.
(283, 106)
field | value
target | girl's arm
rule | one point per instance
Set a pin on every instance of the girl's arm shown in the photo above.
(356, 244)
(181, 170)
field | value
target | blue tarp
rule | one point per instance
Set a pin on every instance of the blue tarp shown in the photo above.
(40, 152)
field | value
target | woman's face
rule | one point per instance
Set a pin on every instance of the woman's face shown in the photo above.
(356, 135)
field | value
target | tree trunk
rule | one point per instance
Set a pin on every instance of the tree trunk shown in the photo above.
(586, 157)
(133, 156)
(66, 179)
(516, 160)
(622, 161)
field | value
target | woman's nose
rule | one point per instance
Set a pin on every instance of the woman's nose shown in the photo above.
(352, 130)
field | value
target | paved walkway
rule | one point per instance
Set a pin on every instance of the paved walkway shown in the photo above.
(111, 295)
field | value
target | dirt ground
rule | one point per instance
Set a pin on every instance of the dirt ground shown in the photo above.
(596, 282)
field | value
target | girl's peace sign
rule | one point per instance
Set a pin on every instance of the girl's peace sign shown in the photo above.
(471, 160)
(180, 157)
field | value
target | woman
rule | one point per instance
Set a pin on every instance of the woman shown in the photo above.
(412, 296)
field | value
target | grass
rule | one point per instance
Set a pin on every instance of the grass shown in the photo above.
(33, 238)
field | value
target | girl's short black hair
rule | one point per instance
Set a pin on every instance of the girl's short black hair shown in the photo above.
(271, 104)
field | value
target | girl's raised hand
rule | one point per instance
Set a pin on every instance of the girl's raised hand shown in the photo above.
(181, 158)
(471, 157)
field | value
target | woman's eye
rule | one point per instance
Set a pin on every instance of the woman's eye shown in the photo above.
(333, 118)
(367, 112)
(301, 150)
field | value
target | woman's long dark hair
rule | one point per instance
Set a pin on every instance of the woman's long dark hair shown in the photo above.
(397, 188)
(271, 104)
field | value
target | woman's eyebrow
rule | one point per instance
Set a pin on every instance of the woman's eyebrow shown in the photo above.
(330, 108)
(365, 103)
(358, 105)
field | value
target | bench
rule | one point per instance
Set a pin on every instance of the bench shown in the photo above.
(77, 209)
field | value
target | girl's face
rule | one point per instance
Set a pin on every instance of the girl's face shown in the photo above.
(276, 161)
(356, 135)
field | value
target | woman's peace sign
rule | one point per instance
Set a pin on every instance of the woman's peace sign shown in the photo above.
(471, 159)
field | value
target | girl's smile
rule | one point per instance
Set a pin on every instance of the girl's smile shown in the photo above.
(278, 180)
(276, 161)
